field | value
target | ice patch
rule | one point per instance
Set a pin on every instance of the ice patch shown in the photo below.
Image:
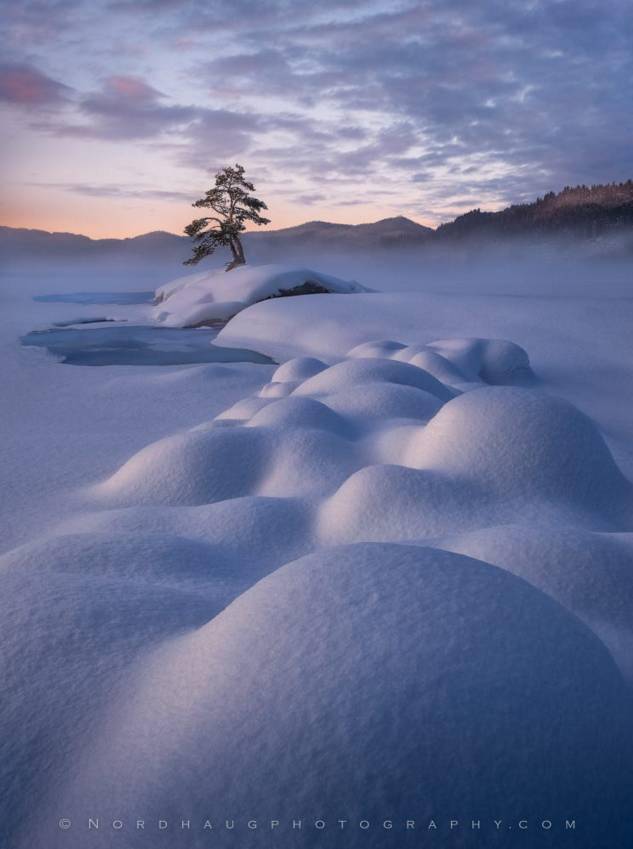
(122, 298)
(128, 344)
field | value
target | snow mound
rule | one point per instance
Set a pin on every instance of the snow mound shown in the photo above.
(591, 574)
(392, 503)
(351, 373)
(377, 402)
(75, 611)
(276, 389)
(196, 467)
(242, 410)
(212, 297)
(359, 665)
(298, 368)
(160, 559)
(492, 360)
(437, 365)
(250, 536)
(289, 375)
(343, 683)
(379, 450)
(382, 349)
(456, 361)
(519, 443)
(297, 412)
(396, 453)
(309, 462)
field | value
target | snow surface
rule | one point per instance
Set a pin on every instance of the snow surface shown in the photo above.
(248, 592)
(344, 683)
(580, 346)
(215, 296)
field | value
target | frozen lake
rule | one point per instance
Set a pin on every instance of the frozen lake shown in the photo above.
(97, 298)
(122, 344)
(98, 340)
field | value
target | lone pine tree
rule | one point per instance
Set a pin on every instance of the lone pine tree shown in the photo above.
(234, 205)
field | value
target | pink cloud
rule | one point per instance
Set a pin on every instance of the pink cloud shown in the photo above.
(24, 85)
(132, 88)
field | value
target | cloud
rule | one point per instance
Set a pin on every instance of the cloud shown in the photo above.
(536, 84)
(309, 199)
(267, 68)
(109, 190)
(430, 102)
(218, 134)
(126, 107)
(38, 22)
(24, 85)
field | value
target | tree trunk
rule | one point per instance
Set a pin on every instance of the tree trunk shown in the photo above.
(238, 254)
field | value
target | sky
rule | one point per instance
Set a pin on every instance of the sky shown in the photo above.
(117, 113)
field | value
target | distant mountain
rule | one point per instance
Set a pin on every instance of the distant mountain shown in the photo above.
(18, 244)
(388, 232)
(35, 244)
(581, 212)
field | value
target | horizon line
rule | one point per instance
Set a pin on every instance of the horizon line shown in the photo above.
(566, 188)
(247, 232)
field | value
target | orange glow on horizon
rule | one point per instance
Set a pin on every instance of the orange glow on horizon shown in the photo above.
(121, 221)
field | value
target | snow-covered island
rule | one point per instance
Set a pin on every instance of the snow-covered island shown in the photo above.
(213, 297)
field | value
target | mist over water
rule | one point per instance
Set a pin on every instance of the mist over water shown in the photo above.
(517, 269)
(560, 268)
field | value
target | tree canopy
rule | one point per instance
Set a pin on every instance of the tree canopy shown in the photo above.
(233, 205)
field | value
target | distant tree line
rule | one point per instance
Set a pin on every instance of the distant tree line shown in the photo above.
(581, 210)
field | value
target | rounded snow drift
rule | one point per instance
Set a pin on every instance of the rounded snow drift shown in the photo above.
(158, 558)
(299, 368)
(196, 467)
(383, 349)
(372, 402)
(495, 361)
(437, 365)
(349, 374)
(243, 410)
(523, 444)
(75, 614)
(299, 413)
(591, 574)
(308, 462)
(374, 682)
(392, 503)
(277, 390)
